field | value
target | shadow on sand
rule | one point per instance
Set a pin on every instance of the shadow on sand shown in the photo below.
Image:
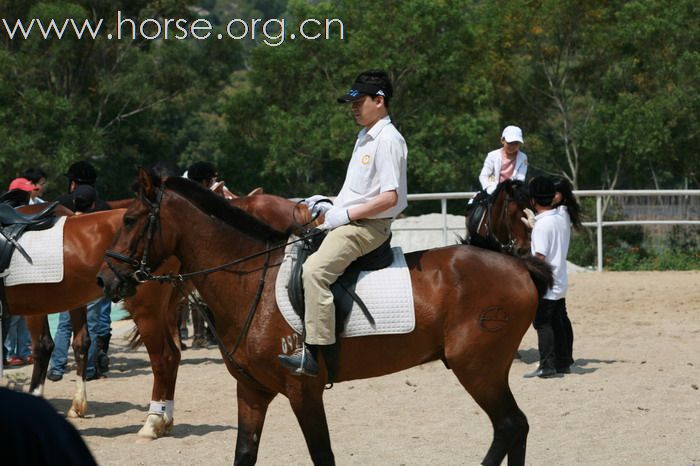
(580, 366)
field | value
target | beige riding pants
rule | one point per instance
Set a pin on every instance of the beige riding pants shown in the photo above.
(339, 249)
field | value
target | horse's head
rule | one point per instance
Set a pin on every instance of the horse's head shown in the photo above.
(135, 251)
(494, 220)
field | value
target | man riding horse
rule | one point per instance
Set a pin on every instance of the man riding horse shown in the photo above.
(373, 194)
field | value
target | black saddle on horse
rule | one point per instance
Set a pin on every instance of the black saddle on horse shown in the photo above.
(343, 289)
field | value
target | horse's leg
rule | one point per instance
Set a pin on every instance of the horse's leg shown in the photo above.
(81, 344)
(164, 354)
(307, 404)
(42, 346)
(252, 407)
(488, 385)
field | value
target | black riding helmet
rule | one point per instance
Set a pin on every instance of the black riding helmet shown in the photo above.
(542, 190)
(202, 171)
(82, 172)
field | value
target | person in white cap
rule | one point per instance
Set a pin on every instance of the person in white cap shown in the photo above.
(508, 162)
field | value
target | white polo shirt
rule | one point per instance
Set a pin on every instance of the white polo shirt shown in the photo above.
(550, 237)
(378, 164)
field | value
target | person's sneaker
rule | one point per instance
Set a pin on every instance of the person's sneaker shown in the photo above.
(300, 362)
(14, 361)
(52, 376)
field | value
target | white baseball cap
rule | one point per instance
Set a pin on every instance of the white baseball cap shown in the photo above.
(512, 134)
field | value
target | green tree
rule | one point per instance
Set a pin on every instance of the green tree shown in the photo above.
(288, 122)
(119, 103)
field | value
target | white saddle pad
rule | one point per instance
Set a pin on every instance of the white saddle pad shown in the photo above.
(46, 250)
(387, 293)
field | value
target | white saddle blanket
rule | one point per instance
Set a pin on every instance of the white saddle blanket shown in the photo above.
(46, 250)
(387, 293)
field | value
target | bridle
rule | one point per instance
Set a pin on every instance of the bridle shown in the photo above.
(487, 221)
(142, 273)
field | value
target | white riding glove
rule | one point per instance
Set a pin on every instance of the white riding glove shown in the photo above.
(335, 217)
(529, 219)
(318, 204)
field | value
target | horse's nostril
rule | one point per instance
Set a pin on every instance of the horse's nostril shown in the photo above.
(100, 282)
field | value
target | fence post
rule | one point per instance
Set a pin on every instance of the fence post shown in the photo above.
(599, 232)
(443, 207)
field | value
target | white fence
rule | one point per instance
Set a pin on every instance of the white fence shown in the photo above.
(598, 224)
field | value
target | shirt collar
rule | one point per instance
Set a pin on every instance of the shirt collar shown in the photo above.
(545, 213)
(376, 129)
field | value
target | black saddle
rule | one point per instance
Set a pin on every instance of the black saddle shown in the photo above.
(343, 289)
(39, 221)
(13, 224)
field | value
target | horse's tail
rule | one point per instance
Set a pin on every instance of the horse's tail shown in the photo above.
(135, 340)
(540, 272)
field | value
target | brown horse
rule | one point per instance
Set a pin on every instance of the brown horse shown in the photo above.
(85, 238)
(93, 233)
(494, 220)
(38, 325)
(476, 333)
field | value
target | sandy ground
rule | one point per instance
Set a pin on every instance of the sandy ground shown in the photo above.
(632, 398)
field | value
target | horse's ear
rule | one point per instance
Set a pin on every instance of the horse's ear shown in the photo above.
(257, 190)
(146, 182)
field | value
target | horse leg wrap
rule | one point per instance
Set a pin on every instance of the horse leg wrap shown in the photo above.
(159, 420)
(166, 408)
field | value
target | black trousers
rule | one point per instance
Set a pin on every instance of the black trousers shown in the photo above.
(555, 336)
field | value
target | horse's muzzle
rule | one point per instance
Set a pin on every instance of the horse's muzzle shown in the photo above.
(115, 288)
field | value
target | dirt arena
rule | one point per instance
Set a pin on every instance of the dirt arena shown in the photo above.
(632, 398)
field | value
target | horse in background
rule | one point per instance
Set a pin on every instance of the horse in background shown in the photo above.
(495, 221)
(474, 332)
(85, 238)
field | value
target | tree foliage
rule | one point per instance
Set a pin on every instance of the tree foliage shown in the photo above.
(607, 92)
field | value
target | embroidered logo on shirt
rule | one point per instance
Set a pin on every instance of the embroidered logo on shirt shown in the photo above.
(365, 159)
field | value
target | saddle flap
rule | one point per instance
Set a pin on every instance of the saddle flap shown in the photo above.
(343, 290)
(33, 222)
(387, 292)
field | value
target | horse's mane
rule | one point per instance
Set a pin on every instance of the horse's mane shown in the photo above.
(212, 204)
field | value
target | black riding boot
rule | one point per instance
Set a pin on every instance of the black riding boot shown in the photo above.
(102, 363)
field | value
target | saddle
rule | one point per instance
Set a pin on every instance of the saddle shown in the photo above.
(343, 289)
(12, 225)
(476, 213)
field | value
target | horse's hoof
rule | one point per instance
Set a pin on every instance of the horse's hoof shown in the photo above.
(76, 410)
(156, 426)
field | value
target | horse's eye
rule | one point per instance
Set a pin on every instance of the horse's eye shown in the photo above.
(129, 222)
